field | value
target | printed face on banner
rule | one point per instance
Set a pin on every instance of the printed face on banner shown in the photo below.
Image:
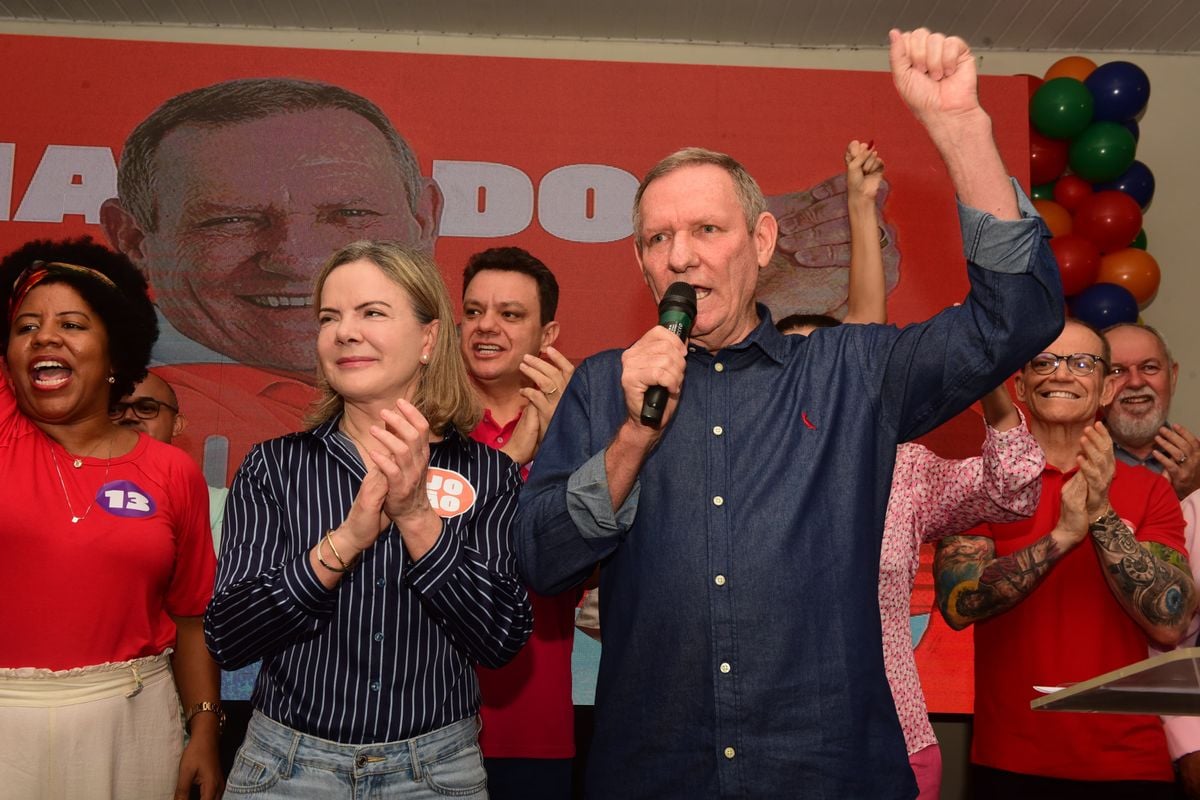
(248, 212)
(694, 230)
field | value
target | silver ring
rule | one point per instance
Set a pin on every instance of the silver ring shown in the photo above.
(1181, 459)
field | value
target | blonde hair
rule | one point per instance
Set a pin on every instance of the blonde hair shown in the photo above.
(444, 393)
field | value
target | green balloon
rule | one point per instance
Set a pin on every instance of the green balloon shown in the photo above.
(1102, 152)
(1043, 191)
(1139, 241)
(1061, 108)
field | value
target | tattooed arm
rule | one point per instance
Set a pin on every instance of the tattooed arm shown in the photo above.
(1150, 580)
(972, 584)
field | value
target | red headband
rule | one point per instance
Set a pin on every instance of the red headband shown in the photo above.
(38, 271)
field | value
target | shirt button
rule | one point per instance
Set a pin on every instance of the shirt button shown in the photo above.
(730, 752)
(719, 580)
(499, 440)
(725, 667)
(381, 582)
(719, 367)
(718, 430)
(374, 686)
(379, 637)
(718, 501)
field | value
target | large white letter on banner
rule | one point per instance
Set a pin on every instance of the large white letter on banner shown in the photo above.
(483, 199)
(587, 203)
(69, 180)
(8, 155)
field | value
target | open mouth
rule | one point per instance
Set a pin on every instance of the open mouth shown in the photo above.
(49, 374)
(487, 349)
(1060, 394)
(278, 300)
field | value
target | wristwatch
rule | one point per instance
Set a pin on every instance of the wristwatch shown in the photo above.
(206, 705)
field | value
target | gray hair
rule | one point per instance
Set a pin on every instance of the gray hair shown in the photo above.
(749, 195)
(236, 101)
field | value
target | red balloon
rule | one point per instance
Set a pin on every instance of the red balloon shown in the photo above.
(1134, 269)
(1057, 218)
(1078, 262)
(1110, 219)
(1047, 157)
(1070, 191)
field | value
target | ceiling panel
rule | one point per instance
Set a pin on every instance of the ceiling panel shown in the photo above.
(1138, 26)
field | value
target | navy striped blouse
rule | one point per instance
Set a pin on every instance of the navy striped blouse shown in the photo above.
(389, 653)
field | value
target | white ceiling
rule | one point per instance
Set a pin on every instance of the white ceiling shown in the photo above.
(1138, 26)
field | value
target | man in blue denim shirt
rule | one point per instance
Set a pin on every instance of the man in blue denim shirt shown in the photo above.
(740, 539)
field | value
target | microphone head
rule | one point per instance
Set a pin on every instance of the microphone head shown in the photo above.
(679, 296)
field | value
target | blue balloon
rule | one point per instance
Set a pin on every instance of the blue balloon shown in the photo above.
(1119, 91)
(1104, 304)
(1137, 182)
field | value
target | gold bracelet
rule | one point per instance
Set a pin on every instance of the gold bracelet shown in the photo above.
(321, 558)
(336, 554)
(206, 705)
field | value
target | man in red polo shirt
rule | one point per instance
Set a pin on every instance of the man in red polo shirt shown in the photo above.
(508, 327)
(1077, 590)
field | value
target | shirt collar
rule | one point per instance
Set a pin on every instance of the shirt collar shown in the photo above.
(764, 338)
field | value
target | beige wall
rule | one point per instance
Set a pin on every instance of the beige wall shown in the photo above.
(1166, 144)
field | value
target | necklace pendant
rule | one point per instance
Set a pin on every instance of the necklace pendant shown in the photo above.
(77, 463)
(74, 519)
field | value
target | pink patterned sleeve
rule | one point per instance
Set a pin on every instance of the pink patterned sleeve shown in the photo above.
(1183, 733)
(1001, 485)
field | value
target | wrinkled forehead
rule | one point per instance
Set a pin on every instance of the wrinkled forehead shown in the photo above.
(1131, 344)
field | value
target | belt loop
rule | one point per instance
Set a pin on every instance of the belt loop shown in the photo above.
(297, 737)
(414, 760)
(137, 681)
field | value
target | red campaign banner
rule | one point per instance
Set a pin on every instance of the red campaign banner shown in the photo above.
(542, 154)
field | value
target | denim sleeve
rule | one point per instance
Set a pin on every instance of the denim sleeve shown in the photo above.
(565, 523)
(928, 372)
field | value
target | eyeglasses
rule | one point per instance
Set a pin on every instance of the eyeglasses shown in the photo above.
(143, 408)
(1078, 363)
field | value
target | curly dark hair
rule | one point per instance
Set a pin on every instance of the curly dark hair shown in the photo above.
(126, 310)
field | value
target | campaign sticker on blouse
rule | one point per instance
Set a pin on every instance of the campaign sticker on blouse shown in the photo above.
(450, 493)
(125, 499)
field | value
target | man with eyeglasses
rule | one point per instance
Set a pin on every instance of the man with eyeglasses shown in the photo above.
(1144, 375)
(1051, 608)
(153, 408)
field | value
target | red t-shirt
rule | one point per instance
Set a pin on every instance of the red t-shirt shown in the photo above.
(527, 707)
(102, 589)
(1070, 628)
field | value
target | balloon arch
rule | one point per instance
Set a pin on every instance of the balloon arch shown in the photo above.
(1090, 188)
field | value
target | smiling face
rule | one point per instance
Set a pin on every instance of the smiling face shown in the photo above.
(1144, 380)
(1063, 398)
(370, 342)
(248, 212)
(502, 323)
(57, 358)
(693, 229)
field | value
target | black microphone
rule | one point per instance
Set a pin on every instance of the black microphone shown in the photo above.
(676, 312)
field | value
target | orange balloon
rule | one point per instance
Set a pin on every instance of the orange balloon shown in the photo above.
(1076, 67)
(1134, 269)
(1057, 218)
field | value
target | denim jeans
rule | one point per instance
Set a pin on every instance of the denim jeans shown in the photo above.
(276, 761)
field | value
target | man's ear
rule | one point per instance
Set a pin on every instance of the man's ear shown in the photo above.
(428, 213)
(1019, 386)
(122, 231)
(549, 334)
(1108, 391)
(180, 424)
(765, 234)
